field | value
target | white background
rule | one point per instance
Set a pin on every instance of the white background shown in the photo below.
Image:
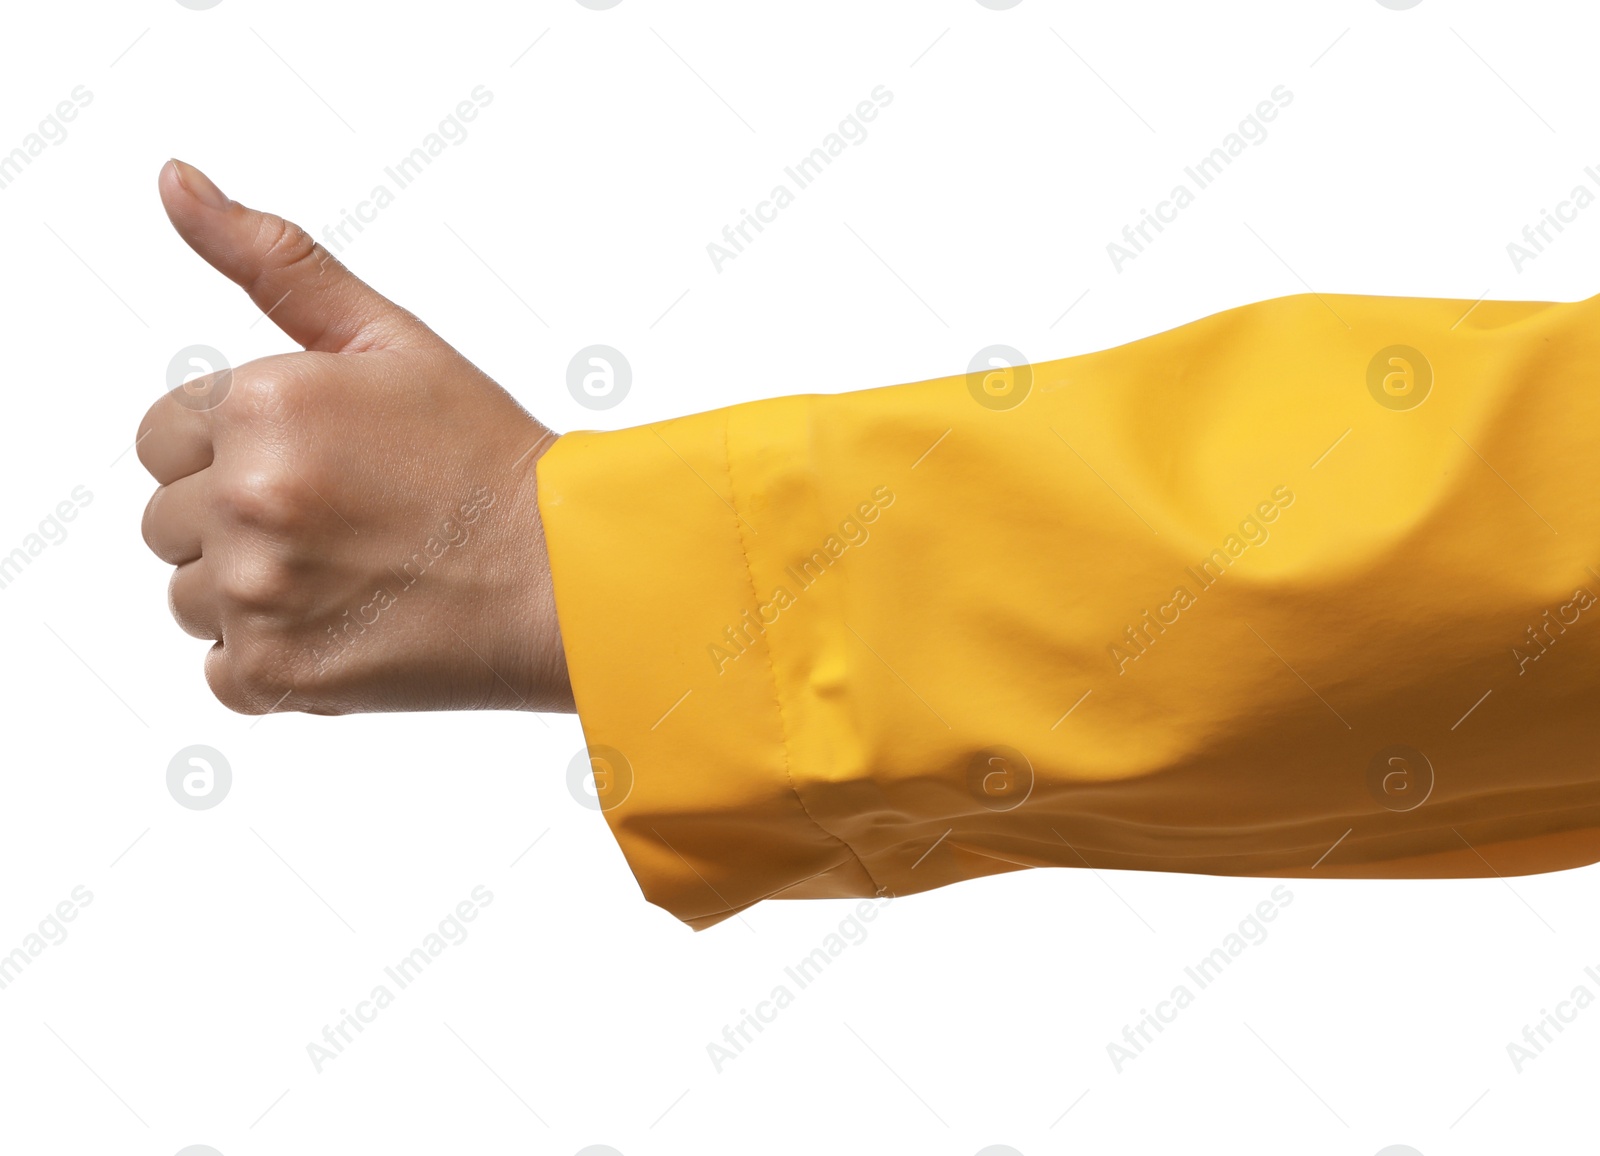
(977, 211)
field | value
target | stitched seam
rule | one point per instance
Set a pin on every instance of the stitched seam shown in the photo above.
(772, 670)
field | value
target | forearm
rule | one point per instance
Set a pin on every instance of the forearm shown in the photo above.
(1196, 585)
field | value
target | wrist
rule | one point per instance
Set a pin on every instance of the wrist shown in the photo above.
(548, 686)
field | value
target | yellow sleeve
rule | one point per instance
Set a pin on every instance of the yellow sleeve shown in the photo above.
(1305, 588)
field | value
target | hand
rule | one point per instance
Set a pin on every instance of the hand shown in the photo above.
(356, 526)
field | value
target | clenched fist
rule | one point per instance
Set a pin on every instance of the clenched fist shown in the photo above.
(355, 525)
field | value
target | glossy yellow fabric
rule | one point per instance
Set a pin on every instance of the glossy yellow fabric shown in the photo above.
(1390, 579)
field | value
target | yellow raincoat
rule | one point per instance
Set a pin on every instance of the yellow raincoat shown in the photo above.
(1306, 588)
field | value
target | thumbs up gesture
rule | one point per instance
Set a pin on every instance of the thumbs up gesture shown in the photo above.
(355, 526)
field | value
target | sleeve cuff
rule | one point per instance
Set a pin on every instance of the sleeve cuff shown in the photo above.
(649, 541)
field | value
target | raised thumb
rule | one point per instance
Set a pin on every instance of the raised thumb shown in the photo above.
(292, 279)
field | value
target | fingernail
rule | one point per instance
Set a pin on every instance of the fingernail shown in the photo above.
(199, 185)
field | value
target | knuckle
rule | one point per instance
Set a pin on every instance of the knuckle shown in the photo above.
(143, 443)
(225, 687)
(261, 584)
(244, 677)
(284, 245)
(265, 499)
(147, 523)
(163, 531)
(189, 604)
(267, 387)
(254, 671)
